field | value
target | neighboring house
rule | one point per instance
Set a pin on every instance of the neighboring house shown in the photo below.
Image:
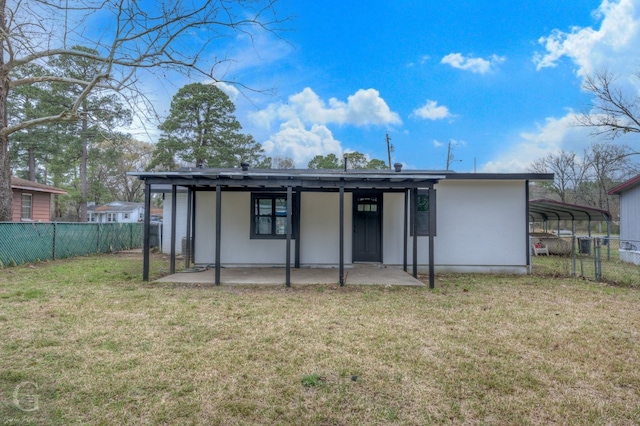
(629, 193)
(32, 200)
(479, 222)
(116, 212)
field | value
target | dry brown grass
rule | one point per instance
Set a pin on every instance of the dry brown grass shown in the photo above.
(98, 346)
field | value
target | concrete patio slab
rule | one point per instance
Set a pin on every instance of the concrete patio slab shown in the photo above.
(359, 274)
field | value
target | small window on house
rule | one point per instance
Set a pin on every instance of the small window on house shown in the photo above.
(269, 216)
(422, 215)
(26, 207)
(111, 217)
(125, 215)
(368, 204)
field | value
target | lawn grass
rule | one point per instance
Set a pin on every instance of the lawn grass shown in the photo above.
(85, 341)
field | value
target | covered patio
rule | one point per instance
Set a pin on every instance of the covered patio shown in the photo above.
(293, 183)
(360, 274)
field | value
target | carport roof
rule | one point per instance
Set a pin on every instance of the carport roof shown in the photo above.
(544, 209)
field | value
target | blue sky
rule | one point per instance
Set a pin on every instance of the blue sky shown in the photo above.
(499, 80)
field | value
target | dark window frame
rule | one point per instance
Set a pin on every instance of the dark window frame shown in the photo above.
(423, 214)
(23, 206)
(255, 196)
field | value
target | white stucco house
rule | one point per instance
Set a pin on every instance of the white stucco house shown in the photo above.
(425, 220)
(629, 193)
(116, 212)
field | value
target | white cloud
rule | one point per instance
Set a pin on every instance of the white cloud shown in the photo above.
(229, 90)
(613, 46)
(475, 65)
(301, 144)
(365, 107)
(551, 137)
(437, 143)
(302, 122)
(431, 111)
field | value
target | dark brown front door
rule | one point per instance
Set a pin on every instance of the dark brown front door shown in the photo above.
(367, 227)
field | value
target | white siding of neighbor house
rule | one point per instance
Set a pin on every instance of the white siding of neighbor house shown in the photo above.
(481, 227)
(630, 215)
(181, 222)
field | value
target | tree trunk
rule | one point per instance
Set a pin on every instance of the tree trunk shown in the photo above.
(6, 195)
(83, 171)
(32, 163)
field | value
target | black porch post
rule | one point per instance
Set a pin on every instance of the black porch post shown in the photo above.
(187, 255)
(288, 248)
(297, 232)
(218, 230)
(527, 241)
(145, 238)
(432, 231)
(172, 261)
(406, 230)
(414, 229)
(341, 233)
(193, 227)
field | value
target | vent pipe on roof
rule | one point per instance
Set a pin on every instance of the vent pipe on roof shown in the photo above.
(245, 166)
(397, 167)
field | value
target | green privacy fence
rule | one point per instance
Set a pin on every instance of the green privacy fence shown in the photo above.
(32, 242)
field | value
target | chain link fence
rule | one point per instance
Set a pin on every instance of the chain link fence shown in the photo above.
(33, 242)
(597, 258)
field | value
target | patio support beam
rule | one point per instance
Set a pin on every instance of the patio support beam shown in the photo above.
(187, 255)
(218, 231)
(193, 227)
(432, 231)
(172, 260)
(297, 232)
(406, 231)
(145, 239)
(414, 228)
(288, 246)
(527, 237)
(341, 278)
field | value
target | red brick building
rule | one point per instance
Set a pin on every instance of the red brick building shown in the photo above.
(32, 200)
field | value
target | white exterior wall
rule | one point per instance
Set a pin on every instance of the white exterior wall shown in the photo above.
(481, 227)
(181, 222)
(237, 246)
(320, 229)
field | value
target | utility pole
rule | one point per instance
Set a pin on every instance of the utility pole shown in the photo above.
(450, 157)
(389, 148)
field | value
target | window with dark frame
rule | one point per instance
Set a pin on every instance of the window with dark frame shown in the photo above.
(269, 216)
(422, 215)
(26, 207)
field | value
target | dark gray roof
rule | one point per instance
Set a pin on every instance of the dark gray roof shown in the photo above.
(115, 206)
(544, 209)
(322, 178)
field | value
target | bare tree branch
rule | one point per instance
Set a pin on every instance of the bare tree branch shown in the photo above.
(613, 113)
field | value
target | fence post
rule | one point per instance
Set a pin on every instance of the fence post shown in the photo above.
(98, 239)
(116, 239)
(598, 260)
(53, 251)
